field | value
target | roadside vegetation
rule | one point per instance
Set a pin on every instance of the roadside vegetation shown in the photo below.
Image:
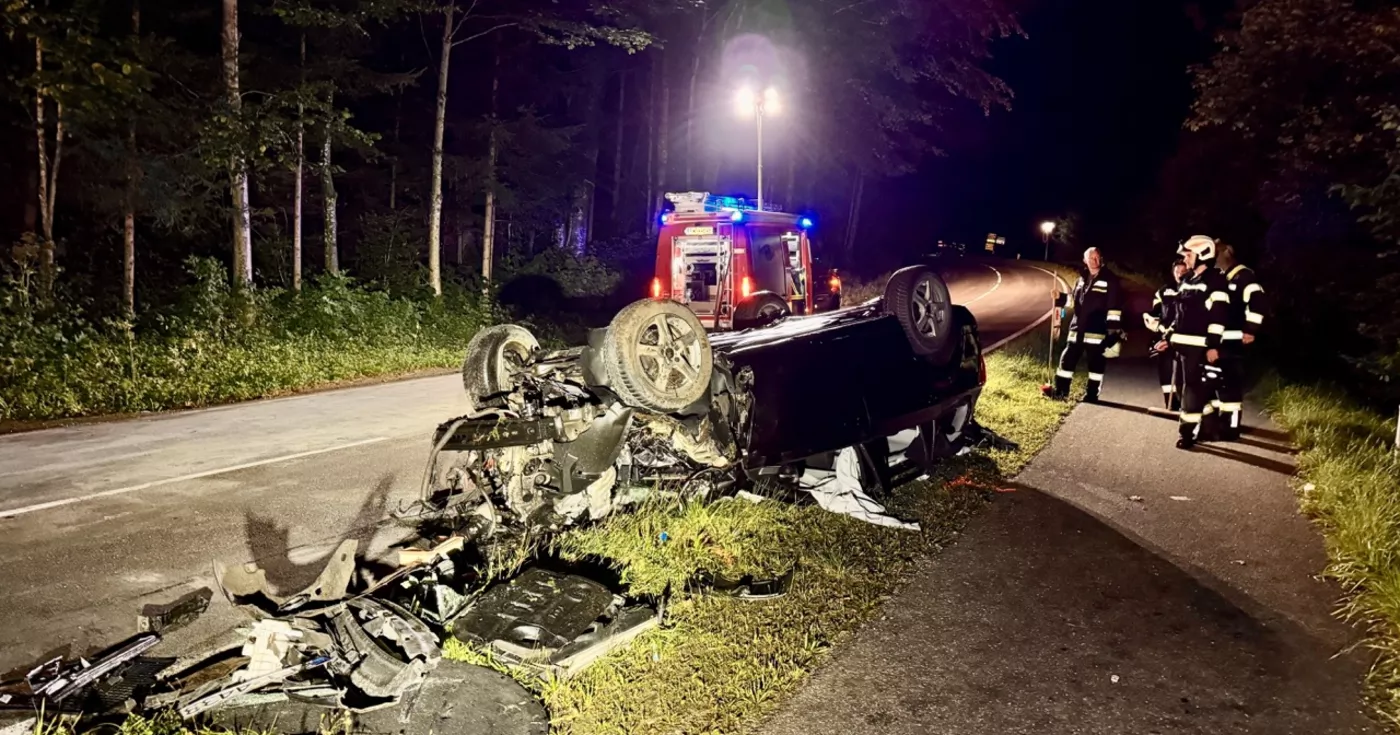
(1348, 476)
(215, 344)
(719, 664)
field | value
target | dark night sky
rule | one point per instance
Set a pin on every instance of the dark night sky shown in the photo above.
(1101, 91)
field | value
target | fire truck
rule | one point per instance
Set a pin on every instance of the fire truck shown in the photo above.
(737, 266)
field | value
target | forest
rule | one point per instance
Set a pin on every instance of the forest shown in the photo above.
(222, 200)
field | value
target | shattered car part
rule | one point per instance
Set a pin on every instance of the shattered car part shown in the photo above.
(55, 682)
(248, 582)
(747, 587)
(554, 623)
(175, 614)
(538, 608)
(230, 693)
(383, 649)
(458, 699)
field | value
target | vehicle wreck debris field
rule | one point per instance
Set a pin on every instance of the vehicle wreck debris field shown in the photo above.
(840, 405)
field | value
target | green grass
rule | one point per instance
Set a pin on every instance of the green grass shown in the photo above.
(719, 665)
(1349, 484)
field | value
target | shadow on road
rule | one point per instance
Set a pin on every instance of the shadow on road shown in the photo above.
(269, 541)
(1263, 463)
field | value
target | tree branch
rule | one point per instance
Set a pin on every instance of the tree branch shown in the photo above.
(486, 32)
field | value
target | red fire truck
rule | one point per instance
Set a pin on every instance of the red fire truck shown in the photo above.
(737, 266)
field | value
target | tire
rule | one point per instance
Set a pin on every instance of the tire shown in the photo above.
(760, 310)
(494, 356)
(918, 298)
(657, 356)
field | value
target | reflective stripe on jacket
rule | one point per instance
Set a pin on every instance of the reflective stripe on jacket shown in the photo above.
(1097, 308)
(1202, 310)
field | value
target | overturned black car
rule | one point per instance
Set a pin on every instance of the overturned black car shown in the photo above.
(652, 403)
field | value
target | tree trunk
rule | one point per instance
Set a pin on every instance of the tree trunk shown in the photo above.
(41, 135)
(853, 220)
(48, 168)
(617, 154)
(328, 198)
(129, 220)
(394, 159)
(653, 94)
(690, 99)
(301, 167)
(435, 197)
(238, 168)
(488, 229)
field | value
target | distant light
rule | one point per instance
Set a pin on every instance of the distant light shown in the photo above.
(665, 217)
(745, 102)
(805, 223)
(736, 216)
(771, 104)
(1047, 227)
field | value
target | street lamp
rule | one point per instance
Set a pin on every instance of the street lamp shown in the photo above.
(747, 102)
(1046, 228)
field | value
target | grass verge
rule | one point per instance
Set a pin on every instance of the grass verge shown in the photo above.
(1348, 477)
(720, 664)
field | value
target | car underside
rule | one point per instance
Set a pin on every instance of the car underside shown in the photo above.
(652, 404)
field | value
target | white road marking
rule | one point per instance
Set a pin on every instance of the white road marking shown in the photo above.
(1002, 343)
(182, 478)
(994, 287)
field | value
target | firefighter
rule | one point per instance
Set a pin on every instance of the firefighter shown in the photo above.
(1196, 331)
(1248, 303)
(1096, 326)
(1156, 320)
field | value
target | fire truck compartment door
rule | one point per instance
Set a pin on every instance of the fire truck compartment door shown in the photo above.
(701, 272)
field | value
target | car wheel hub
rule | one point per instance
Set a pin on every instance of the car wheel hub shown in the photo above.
(670, 352)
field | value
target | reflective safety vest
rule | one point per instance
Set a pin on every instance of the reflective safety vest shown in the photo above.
(1097, 308)
(1202, 309)
(1163, 310)
(1248, 304)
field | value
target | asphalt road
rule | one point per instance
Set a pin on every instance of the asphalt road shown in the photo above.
(99, 519)
(1120, 586)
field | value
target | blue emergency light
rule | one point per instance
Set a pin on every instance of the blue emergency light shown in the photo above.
(736, 216)
(805, 223)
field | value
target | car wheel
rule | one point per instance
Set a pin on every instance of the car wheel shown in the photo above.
(918, 298)
(657, 356)
(494, 356)
(760, 310)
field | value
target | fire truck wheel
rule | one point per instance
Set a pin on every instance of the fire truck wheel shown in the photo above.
(919, 299)
(760, 310)
(657, 356)
(494, 356)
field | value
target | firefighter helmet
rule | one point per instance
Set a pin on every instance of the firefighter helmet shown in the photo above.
(1202, 246)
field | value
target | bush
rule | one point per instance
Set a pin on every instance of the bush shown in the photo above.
(216, 344)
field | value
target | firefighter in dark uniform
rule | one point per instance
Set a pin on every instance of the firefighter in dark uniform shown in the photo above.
(1248, 302)
(1196, 331)
(1156, 320)
(1096, 326)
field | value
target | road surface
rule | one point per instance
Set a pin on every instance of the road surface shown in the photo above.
(98, 519)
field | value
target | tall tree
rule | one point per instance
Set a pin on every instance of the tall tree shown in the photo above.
(133, 174)
(297, 223)
(238, 165)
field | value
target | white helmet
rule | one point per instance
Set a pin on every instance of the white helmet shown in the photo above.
(1202, 246)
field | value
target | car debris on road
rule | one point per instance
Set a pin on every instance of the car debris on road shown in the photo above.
(838, 405)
